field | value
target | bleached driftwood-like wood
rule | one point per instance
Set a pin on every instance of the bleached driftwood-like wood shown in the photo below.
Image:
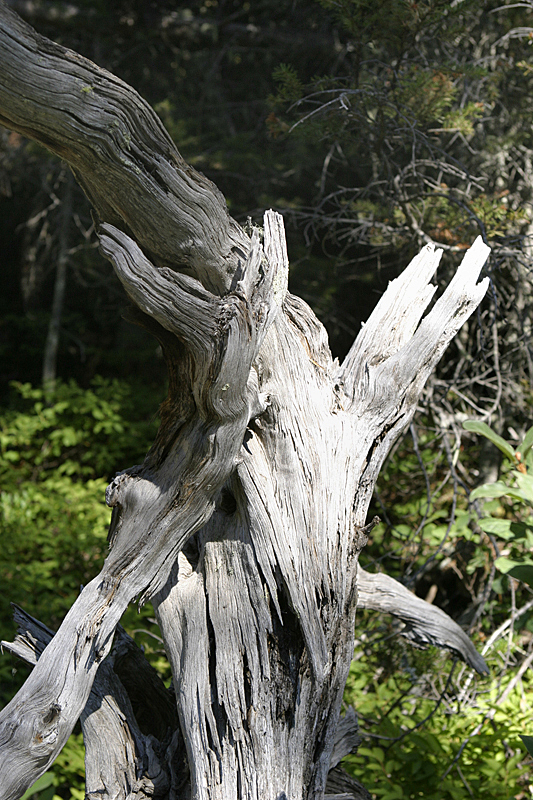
(396, 351)
(245, 520)
(160, 504)
(133, 765)
(424, 623)
(341, 786)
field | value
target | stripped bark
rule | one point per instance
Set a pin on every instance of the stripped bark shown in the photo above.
(423, 623)
(134, 763)
(120, 153)
(245, 520)
(147, 760)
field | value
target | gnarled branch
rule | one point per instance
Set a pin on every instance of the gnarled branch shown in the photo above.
(424, 623)
(245, 520)
(120, 153)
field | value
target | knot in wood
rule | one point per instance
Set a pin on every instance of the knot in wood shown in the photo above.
(362, 534)
(114, 490)
(46, 727)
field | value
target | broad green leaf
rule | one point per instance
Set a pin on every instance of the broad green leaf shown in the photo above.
(500, 527)
(522, 571)
(518, 494)
(504, 564)
(496, 489)
(505, 528)
(527, 444)
(528, 741)
(41, 783)
(483, 430)
(525, 484)
(500, 489)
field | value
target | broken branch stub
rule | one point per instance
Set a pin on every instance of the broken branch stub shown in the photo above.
(259, 616)
(134, 764)
(424, 623)
(389, 363)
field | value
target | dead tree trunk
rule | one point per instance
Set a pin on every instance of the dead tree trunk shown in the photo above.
(244, 523)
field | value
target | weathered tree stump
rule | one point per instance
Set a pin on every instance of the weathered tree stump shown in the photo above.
(244, 523)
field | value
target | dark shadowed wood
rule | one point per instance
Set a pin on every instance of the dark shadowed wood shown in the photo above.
(133, 764)
(245, 520)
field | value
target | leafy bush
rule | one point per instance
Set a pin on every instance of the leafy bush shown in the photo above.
(57, 454)
(430, 731)
(73, 431)
(513, 524)
(426, 738)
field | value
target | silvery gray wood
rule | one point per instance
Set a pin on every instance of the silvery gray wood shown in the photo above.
(122, 762)
(125, 767)
(245, 520)
(159, 504)
(347, 737)
(120, 153)
(341, 786)
(424, 623)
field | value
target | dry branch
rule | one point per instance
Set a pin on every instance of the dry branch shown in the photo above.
(134, 764)
(160, 505)
(120, 153)
(424, 623)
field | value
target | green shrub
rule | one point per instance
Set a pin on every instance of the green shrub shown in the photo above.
(57, 453)
(428, 733)
(416, 747)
